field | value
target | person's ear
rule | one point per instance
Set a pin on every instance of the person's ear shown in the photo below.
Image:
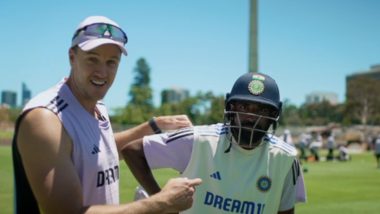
(72, 53)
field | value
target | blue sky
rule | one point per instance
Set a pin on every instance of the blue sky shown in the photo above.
(200, 45)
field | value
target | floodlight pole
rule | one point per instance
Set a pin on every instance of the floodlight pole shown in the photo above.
(253, 47)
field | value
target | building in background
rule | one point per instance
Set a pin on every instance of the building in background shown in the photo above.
(362, 95)
(9, 98)
(26, 94)
(174, 95)
(372, 73)
(318, 97)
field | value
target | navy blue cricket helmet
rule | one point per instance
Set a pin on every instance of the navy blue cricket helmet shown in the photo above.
(255, 87)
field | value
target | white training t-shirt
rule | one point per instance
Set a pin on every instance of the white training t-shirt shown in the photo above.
(266, 179)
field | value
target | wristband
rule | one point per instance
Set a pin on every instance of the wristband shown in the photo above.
(153, 125)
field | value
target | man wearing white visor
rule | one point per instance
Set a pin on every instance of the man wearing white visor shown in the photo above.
(65, 154)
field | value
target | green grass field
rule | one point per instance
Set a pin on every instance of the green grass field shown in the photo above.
(332, 187)
(6, 134)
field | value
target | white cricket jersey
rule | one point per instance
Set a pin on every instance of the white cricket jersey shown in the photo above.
(266, 179)
(95, 155)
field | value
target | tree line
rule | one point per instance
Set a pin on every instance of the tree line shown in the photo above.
(362, 105)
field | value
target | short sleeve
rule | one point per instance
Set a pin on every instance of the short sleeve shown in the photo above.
(169, 150)
(294, 188)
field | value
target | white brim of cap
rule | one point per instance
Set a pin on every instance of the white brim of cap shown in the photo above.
(94, 43)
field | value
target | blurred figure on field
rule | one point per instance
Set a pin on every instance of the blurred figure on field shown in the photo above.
(303, 145)
(315, 145)
(343, 153)
(370, 142)
(287, 137)
(330, 147)
(377, 151)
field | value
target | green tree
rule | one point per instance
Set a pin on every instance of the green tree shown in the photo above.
(186, 106)
(208, 108)
(203, 108)
(9, 115)
(141, 92)
(290, 115)
(322, 113)
(216, 113)
(140, 107)
(363, 100)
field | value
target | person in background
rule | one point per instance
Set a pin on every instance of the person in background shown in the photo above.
(377, 151)
(315, 146)
(287, 137)
(343, 153)
(330, 147)
(244, 167)
(65, 154)
(303, 145)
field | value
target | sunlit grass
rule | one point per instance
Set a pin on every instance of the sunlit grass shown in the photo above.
(332, 187)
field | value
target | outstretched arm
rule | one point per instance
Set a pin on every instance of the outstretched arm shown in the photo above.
(164, 123)
(175, 196)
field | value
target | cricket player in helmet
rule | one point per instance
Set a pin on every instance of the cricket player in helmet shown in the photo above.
(244, 168)
(252, 107)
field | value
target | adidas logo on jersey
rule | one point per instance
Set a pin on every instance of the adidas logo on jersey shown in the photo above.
(216, 175)
(95, 150)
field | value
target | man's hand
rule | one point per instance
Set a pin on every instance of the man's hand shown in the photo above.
(178, 192)
(173, 122)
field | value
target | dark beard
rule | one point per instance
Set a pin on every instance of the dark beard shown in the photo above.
(245, 137)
